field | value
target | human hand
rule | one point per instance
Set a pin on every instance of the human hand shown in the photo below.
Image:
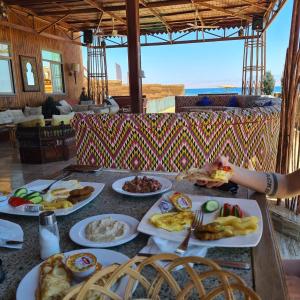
(220, 162)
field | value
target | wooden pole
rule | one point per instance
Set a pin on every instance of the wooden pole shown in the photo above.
(134, 55)
(290, 99)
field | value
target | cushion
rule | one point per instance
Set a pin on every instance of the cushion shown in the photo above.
(233, 102)
(17, 115)
(269, 103)
(57, 119)
(101, 110)
(80, 108)
(263, 102)
(32, 111)
(204, 101)
(113, 105)
(5, 118)
(66, 104)
(32, 122)
(88, 102)
(72, 102)
(64, 110)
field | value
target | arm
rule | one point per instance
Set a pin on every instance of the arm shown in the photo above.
(273, 184)
(260, 181)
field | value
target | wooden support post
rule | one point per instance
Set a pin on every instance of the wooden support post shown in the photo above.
(134, 55)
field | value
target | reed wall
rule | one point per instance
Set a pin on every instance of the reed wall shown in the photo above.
(31, 44)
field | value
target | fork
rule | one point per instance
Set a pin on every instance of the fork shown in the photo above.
(197, 221)
(46, 189)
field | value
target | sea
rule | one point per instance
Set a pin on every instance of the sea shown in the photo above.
(194, 92)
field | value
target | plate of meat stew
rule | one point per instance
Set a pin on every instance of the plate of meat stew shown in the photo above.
(142, 186)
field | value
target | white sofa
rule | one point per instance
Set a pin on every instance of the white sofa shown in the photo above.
(16, 116)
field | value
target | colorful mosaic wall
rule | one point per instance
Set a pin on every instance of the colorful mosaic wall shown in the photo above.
(176, 142)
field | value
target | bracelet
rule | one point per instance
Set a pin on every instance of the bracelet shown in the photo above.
(269, 184)
(275, 185)
(272, 184)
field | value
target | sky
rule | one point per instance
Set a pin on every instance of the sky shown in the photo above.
(205, 64)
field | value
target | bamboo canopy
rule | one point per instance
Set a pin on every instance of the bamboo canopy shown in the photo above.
(290, 100)
(108, 17)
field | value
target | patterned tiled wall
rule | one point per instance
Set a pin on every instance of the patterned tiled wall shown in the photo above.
(176, 142)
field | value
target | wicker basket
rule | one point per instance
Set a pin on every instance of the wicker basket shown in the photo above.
(46, 144)
(101, 284)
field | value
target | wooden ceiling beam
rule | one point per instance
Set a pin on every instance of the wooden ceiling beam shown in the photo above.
(53, 24)
(253, 4)
(31, 30)
(33, 2)
(223, 10)
(72, 12)
(156, 14)
(94, 4)
(27, 13)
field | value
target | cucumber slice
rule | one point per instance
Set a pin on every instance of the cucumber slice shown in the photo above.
(21, 192)
(36, 199)
(210, 206)
(222, 212)
(32, 195)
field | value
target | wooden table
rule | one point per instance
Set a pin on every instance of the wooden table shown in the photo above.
(266, 275)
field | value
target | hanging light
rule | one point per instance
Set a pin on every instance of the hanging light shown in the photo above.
(241, 32)
(3, 12)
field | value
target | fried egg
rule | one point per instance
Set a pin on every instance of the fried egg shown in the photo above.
(61, 190)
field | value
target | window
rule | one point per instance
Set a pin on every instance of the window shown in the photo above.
(6, 75)
(53, 72)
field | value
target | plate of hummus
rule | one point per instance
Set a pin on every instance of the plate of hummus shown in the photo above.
(103, 231)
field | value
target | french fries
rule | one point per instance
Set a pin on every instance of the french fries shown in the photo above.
(227, 227)
(56, 204)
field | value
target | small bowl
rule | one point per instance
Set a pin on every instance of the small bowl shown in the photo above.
(82, 264)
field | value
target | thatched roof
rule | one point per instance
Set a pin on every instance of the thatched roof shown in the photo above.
(156, 16)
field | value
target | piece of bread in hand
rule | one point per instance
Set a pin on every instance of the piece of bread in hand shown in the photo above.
(196, 174)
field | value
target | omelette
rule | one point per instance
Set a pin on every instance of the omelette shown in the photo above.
(173, 221)
(54, 279)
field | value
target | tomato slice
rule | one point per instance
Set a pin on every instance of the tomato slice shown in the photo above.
(226, 168)
(17, 201)
(237, 212)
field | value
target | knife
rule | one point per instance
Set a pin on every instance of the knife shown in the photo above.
(222, 263)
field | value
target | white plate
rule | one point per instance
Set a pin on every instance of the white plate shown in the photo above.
(77, 232)
(166, 185)
(39, 185)
(28, 285)
(11, 231)
(249, 207)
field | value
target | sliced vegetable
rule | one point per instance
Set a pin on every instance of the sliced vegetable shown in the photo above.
(17, 201)
(237, 211)
(222, 212)
(227, 210)
(210, 206)
(36, 199)
(32, 195)
(20, 192)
